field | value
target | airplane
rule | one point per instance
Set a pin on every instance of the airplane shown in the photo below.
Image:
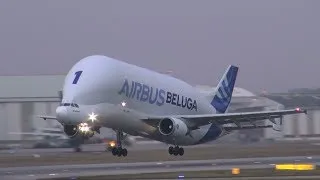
(101, 91)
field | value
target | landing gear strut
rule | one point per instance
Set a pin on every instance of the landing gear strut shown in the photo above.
(118, 151)
(176, 151)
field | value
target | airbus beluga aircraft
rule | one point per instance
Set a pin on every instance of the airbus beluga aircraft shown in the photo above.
(103, 92)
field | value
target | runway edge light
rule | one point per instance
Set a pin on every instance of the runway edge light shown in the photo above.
(235, 171)
(297, 167)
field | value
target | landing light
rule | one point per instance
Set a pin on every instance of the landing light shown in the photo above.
(298, 109)
(93, 117)
(84, 127)
(123, 104)
(112, 144)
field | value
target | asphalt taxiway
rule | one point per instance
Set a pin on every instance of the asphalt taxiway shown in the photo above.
(36, 172)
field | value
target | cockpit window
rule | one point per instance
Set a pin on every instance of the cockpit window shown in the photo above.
(70, 104)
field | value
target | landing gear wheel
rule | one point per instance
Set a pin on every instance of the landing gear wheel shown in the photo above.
(119, 151)
(114, 151)
(170, 150)
(176, 151)
(181, 151)
(124, 152)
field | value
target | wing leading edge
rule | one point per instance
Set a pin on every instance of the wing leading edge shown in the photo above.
(46, 117)
(194, 121)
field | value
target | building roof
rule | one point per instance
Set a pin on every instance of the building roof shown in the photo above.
(22, 87)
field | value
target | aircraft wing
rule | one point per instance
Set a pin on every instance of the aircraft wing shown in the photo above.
(194, 121)
(47, 117)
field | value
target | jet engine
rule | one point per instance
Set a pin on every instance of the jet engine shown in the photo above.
(78, 130)
(71, 130)
(173, 127)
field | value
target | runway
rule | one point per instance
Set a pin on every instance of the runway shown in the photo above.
(36, 172)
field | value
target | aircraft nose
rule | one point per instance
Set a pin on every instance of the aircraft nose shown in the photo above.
(61, 112)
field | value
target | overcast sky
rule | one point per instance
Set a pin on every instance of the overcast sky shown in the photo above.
(274, 42)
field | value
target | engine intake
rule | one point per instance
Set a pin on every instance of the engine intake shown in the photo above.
(172, 126)
(71, 130)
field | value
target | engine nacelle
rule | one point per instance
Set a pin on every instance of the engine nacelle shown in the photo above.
(71, 130)
(173, 127)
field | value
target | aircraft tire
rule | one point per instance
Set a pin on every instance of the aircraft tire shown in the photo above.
(170, 150)
(114, 151)
(119, 152)
(181, 151)
(124, 152)
(176, 151)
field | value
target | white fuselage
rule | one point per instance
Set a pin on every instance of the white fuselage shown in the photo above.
(122, 94)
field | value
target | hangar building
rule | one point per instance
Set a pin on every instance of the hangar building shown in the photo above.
(24, 97)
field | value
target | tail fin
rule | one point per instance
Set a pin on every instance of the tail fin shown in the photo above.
(222, 97)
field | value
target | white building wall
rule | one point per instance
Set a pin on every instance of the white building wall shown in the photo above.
(10, 120)
(21, 117)
(288, 127)
(302, 123)
(316, 122)
(38, 109)
(13, 119)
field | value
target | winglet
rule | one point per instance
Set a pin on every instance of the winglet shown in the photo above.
(224, 90)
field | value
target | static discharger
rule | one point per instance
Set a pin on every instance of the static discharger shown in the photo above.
(297, 167)
(235, 171)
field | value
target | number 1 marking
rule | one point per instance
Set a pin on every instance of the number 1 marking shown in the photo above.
(77, 74)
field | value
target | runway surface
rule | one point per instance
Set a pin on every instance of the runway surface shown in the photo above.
(35, 172)
(95, 154)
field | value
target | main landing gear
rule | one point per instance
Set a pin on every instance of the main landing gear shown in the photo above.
(118, 150)
(176, 151)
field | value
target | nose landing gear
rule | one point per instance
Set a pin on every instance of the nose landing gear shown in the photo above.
(176, 151)
(118, 150)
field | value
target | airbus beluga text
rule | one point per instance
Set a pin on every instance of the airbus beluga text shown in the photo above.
(103, 92)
